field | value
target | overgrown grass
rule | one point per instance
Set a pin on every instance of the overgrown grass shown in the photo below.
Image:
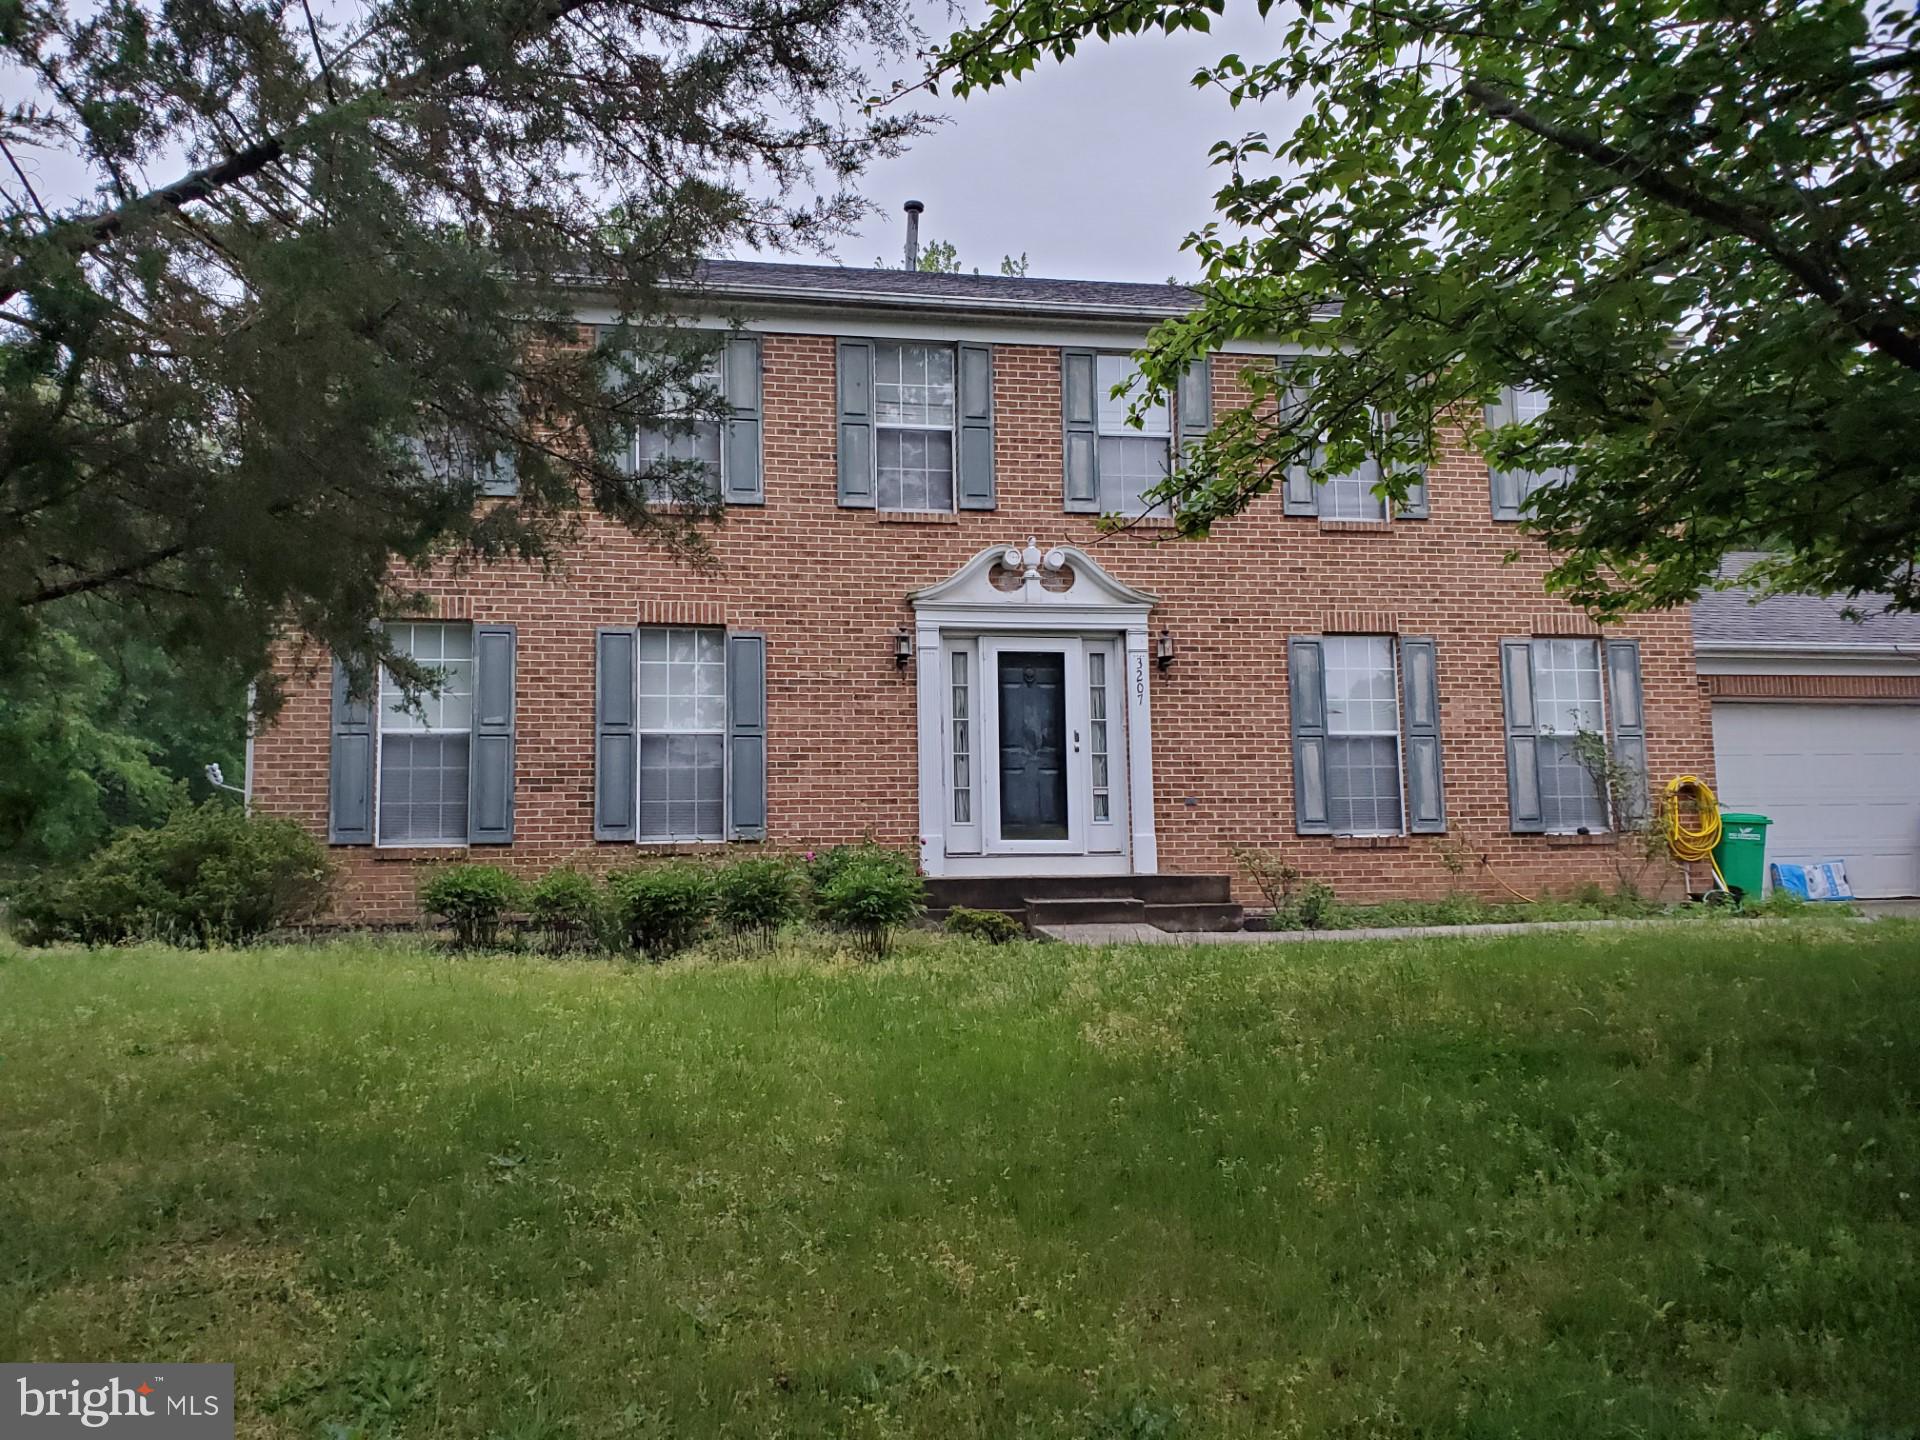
(1622, 1183)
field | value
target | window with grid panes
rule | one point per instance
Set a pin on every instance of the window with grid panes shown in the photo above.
(1099, 735)
(913, 410)
(1132, 460)
(1352, 496)
(679, 460)
(1363, 735)
(682, 730)
(962, 741)
(425, 750)
(1567, 700)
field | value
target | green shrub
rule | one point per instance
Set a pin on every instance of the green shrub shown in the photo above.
(824, 867)
(996, 927)
(661, 909)
(567, 907)
(1317, 909)
(473, 899)
(209, 873)
(871, 896)
(756, 897)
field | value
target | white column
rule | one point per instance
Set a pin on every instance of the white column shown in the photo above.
(933, 806)
(1146, 849)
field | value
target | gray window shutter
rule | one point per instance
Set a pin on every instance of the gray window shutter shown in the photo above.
(1414, 507)
(1628, 710)
(1307, 699)
(350, 766)
(747, 736)
(1420, 686)
(976, 427)
(1523, 757)
(1195, 403)
(490, 773)
(615, 697)
(1509, 488)
(740, 373)
(1298, 494)
(1078, 414)
(855, 387)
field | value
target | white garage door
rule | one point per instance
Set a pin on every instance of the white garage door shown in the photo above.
(1839, 781)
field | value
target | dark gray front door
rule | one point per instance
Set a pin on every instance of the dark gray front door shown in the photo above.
(1033, 749)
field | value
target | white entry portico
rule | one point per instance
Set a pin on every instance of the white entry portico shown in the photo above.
(1035, 719)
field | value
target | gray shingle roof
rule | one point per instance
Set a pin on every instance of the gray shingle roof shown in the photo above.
(1729, 619)
(911, 289)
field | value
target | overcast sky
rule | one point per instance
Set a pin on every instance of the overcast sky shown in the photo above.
(1097, 168)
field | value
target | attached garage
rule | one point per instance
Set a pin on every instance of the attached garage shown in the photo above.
(1839, 781)
(1816, 724)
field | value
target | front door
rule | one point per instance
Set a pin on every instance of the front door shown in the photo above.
(1052, 748)
(1033, 755)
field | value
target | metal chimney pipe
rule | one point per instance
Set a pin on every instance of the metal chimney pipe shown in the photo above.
(914, 209)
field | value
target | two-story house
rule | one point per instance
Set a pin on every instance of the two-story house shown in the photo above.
(916, 629)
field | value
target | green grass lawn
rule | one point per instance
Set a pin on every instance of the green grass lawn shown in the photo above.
(1622, 1183)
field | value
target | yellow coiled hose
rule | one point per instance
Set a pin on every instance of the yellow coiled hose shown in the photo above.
(1691, 844)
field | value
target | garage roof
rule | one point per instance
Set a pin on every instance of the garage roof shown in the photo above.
(1733, 620)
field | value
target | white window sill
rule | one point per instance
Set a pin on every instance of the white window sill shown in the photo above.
(917, 517)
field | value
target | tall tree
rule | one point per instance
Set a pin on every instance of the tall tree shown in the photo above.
(100, 729)
(235, 399)
(1696, 227)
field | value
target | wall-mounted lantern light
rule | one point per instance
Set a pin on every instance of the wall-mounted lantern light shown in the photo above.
(902, 647)
(1163, 651)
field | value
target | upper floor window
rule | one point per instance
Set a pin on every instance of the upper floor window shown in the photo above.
(1513, 490)
(1352, 495)
(1133, 459)
(913, 411)
(679, 458)
(426, 748)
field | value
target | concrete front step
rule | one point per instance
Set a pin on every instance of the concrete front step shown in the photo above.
(1189, 919)
(1012, 892)
(1178, 904)
(1091, 910)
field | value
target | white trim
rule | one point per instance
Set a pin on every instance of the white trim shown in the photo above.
(1097, 607)
(1043, 330)
(1806, 660)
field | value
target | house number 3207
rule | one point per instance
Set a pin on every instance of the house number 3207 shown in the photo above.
(1139, 677)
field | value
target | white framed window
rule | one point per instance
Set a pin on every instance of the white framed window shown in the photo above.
(913, 412)
(1363, 735)
(680, 459)
(1099, 736)
(1569, 699)
(425, 751)
(1132, 459)
(682, 731)
(1352, 496)
(962, 738)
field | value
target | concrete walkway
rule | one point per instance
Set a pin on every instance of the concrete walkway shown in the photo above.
(1148, 935)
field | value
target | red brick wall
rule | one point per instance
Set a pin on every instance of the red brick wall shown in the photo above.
(828, 587)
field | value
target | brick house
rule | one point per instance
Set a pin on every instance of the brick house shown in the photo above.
(877, 650)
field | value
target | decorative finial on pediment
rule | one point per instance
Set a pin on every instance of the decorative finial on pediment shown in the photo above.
(1029, 560)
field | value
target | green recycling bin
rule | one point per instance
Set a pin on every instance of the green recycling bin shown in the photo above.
(1742, 853)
